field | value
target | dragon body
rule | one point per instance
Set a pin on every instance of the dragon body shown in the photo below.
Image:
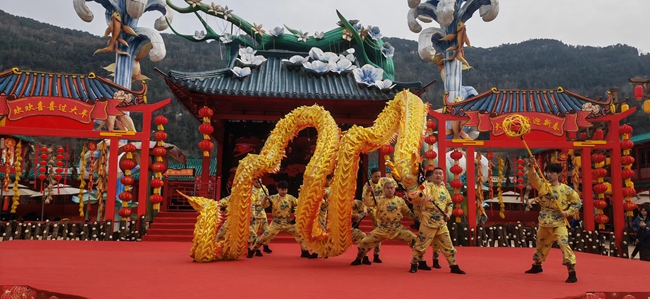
(336, 152)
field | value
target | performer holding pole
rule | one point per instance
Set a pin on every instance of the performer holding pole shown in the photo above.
(373, 189)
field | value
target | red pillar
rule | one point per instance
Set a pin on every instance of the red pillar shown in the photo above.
(587, 191)
(112, 179)
(220, 129)
(143, 190)
(470, 157)
(617, 183)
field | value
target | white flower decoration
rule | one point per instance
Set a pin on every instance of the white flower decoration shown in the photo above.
(226, 38)
(368, 75)
(199, 35)
(241, 72)
(387, 50)
(303, 36)
(385, 84)
(247, 50)
(318, 67)
(194, 3)
(277, 31)
(374, 32)
(341, 66)
(251, 59)
(319, 35)
(295, 61)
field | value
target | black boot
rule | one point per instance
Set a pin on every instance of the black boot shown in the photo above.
(572, 274)
(250, 253)
(312, 256)
(304, 254)
(414, 268)
(423, 266)
(537, 268)
(258, 253)
(267, 249)
(436, 264)
(456, 270)
(376, 259)
(366, 261)
(356, 262)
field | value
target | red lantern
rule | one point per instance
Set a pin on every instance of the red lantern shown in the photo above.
(457, 198)
(206, 112)
(156, 198)
(386, 149)
(456, 155)
(627, 160)
(92, 146)
(627, 144)
(44, 149)
(520, 180)
(58, 170)
(160, 135)
(430, 154)
(44, 157)
(490, 155)
(458, 212)
(158, 167)
(520, 167)
(456, 184)
(456, 169)
(520, 173)
(127, 164)
(58, 177)
(160, 120)
(42, 177)
(599, 135)
(602, 172)
(638, 92)
(206, 129)
(157, 183)
(521, 186)
(628, 192)
(129, 148)
(430, 139)
(124, 212)
(600, 204)
(597, 158)
(583, 135)
(520, 161)
(127, 180)
(626, 129)
(59, 157)
(430, 167)
(206, 145)
(600, 188)
(627, 173)
(60, 150)
(602, 218)
(125, 196)
(42, 170)
(159, 151)
(629, 206)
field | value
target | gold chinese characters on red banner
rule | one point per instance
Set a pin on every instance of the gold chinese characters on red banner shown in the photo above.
(180, 172)
(549, 123)
(54, 106)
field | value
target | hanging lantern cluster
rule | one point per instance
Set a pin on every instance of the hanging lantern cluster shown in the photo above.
(479, 184)
(127, 180)
(502, 206)
(599, 173)
(159, 167)
(639, 93)
(59, 164)
(520, 174)
(430, 140)
(206, 129)
(17, 164)
(457, 198)
(42, 170)
(102, 176)
(627, 173)
(82, 181)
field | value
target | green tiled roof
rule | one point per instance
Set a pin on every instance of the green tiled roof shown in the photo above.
(274, 80)
(641, 138)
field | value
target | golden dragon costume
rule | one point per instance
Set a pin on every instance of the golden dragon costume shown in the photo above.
(335, 152)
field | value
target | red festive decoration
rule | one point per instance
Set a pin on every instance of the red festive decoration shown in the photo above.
(629, 206)
(125, 213)
(430, 139)
(205, 111)
(456, 155)
(430, 154)
(597, 157)
(431, 124)
(490, 155)
(600, 188)
(629, 192)
(457, 198)
(160, 120)
(456, 184)
(156, 199)
(627, 173)
(456, 169)
(627, 144)
(387, 149)
(157, 183)
(600, 204)
(639, 93)
(458, 212)
(206, 129)
(627, 160)
(159, 151)
(626, 129)
(206, 146)
(125, 196)
(92, 146)
(127, 180)
(160, 135)
(127, 164)
(602, 219)
(158, 167)
(598, 135)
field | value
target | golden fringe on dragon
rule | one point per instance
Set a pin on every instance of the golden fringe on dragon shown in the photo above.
(336, 152)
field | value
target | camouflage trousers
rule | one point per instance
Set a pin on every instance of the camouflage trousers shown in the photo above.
(277, 226)
(385, 233)
(357, 235)
(221, 234)
(545, 238)
(258, 225)
(439, 238)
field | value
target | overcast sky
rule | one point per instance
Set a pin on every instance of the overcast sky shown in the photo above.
(575, 22)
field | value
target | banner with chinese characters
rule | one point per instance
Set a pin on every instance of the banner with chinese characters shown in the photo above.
(548, 123)
(180, 172)
(16, 109)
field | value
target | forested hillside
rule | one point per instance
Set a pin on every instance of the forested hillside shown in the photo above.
(591, 71)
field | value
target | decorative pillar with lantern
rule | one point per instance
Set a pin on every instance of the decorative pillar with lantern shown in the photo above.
(43, 163)
(206, 146)
(627, 173)
(430, 140)
(600, 188)
(158, 167)
(127, 180)
(457, 198)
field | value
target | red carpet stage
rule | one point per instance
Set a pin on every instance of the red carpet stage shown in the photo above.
(164, 270)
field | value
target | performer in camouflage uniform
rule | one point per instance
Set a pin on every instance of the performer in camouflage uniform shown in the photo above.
(259, 222)
(375, 188)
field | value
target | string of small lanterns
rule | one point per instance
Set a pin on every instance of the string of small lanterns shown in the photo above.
(158, 167)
